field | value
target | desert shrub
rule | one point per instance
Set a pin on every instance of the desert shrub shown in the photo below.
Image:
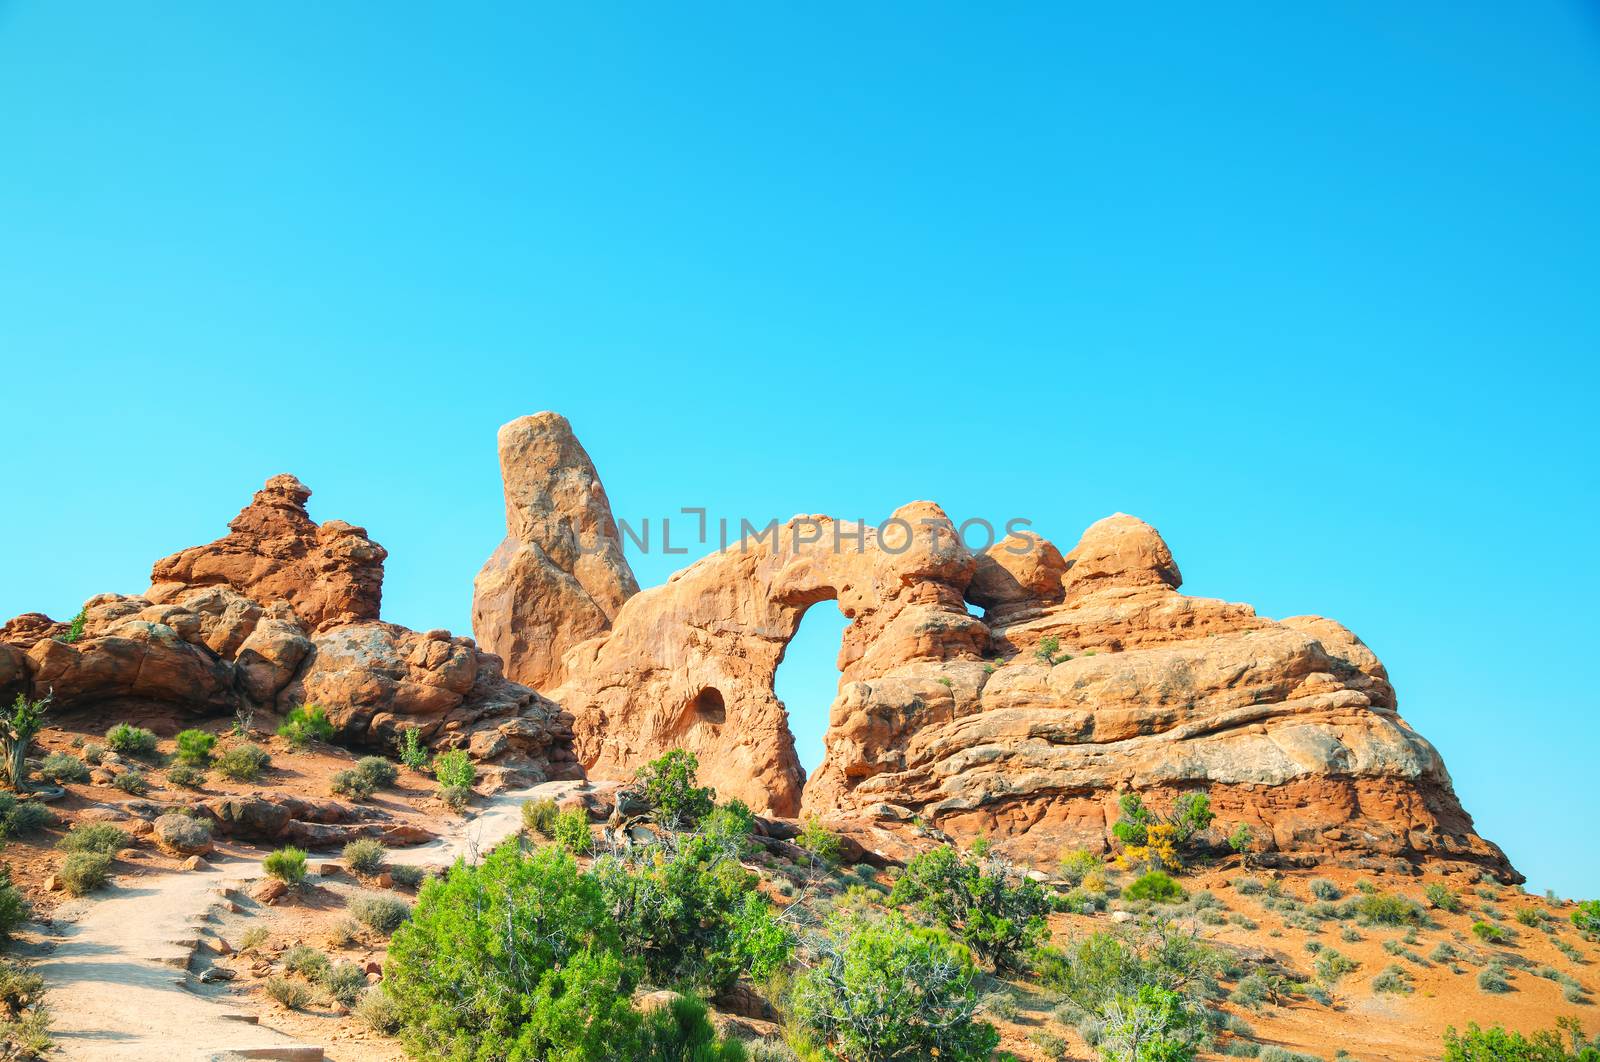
(1272, 1053)
(305, 961)
(823, 844)
(18, 817)
(1497, 1045)
(128, 740)
(243, 763)
(1492, 978)
(253, 938)
(1488, 932)
(683, 1030)
(454, 770)
(1331, 966)
(669, 787)
(1248, 886)
(887, 989)
(344, 982)
(132, 782)
(731, 826)
(194, 747)
(405, 876)
(1444, 951)
(378, 1011)
(1323, 889)
(304, 724)
(100, 837)
(1531, 917)
(14, 906)
(1393, 979)
(181, 774)
(287, 864)
(1442, 897)
(83, 872)
(17, 731)
(1153, 1025)
(986, 903)
(378, 770)
(1156, 886)
(352, 783)
(1258, 988)
(514, 957)
(1385, 909)
(1094, 970)
(365, 856)
(571, 831)
(539, 817)
(20, 988)
(455, 797)
(1241, 838)
(62, 768)
(409, 749)
(1587, 917)
(1079, 864)
(693, 916)
(378, 912)
(287, 993)
(93, 752)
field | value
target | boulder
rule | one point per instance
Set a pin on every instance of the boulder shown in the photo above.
(183, 835)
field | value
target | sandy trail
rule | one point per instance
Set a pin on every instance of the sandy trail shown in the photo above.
(116, 976)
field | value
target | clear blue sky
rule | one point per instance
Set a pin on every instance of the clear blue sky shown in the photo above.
(1312, 288)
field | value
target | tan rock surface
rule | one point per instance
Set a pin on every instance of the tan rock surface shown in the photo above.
(559, 576)
(329, 574)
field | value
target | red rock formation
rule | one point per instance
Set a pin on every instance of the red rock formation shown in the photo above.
(559, 576)
(329, 574)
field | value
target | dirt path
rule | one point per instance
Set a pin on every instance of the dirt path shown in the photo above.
(117, 974)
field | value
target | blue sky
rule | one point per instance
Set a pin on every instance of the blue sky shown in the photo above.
(1309, 287)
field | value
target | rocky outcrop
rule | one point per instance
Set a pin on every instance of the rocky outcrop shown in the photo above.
(558, 577)
(282, 612)
(1089, 675)
(329, 573)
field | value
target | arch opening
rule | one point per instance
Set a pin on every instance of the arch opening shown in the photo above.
(807, 679)
(708, 707)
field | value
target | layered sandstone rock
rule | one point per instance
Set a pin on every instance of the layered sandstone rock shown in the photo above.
(558, 577)
(1092, 676)
(282, 612)
(329, 574)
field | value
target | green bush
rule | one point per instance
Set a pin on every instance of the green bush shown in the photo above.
(1241, 838)
(455, 797)
(1587, 917)
(304, 724)
(83, 872)
(824, 846)
(1497, 1045)
(1079, 864)
(553, 983)
(1156, 886)
(1492, 978)
(405, 876)
(128, 740)
(365, 856)
(287, 864)
(243, 763)
(571, 831)
(693, 916)
(887, 989)
(1331, 966)
(132, 781)
(1323, 889)
(1384, 909)
(14, 906)
(681, 1030)
(181, 774)
(94, 837)
(454, 770)
(668, 786)
(1393, 979)
(18, 817)
(1442, 897)
(996, 911)
(352, 783)
(305, 961)
(539, 817)
(379, 771)
(62, 768)
(378, 1011)
(344, 982)
(1489, 933)
(378, 911)
(290, 994)
(410, 750)
(731, 825)
(1153, 1024)
(1531, 917)
(194, 747)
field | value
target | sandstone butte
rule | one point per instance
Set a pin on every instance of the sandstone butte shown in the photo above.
(949, 715)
